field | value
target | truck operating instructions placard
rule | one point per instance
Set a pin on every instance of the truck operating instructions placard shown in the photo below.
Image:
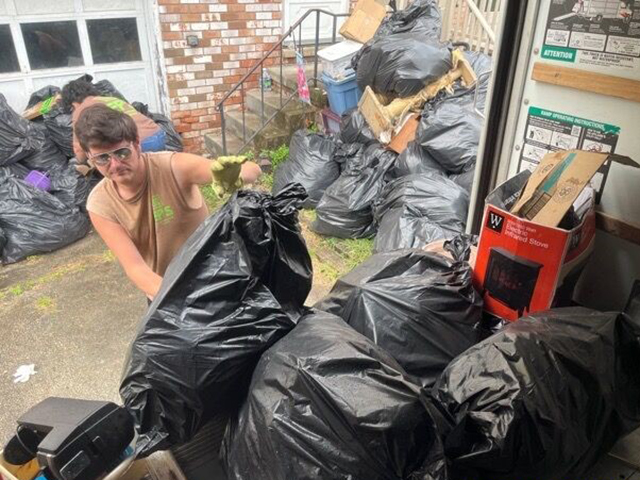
(602, 33)
(548, 131)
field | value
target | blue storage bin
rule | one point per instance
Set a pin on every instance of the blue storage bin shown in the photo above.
(343, 94)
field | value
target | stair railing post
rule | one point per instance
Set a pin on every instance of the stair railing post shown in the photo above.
(261, 93)
(335, 28)
(244, 124)
(315, 60)
(281, 59)
(223, 128)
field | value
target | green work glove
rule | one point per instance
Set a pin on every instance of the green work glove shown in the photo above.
(226, 174)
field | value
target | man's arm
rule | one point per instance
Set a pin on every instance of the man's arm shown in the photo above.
(127, 254)
(190, 169)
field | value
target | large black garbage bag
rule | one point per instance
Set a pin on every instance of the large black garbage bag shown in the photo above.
(14, 170)
(355, 129)
(71, 188)
(235, 288)
(36, 222)
(326, 403)
(19, 137)
(108, 89)
(42, 94)
(418, 209)
(450, 133)
(345, 209)
(543, 398)
(414, 159)
(465, 179)
(402, 64)
(422, 17)
(60, 129)
(419, 306)
(173, 141)
(310, 164)
(3, 241)
(48, 159)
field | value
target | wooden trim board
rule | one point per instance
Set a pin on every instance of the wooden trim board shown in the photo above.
(618, 228)
(587, 81)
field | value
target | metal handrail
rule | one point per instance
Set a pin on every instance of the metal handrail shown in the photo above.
(278, 45)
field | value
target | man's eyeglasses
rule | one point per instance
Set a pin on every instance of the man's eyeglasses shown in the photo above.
(102, 159)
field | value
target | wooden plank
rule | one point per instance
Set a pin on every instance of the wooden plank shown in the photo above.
(621, 229)
(162, 466)
(587, 81)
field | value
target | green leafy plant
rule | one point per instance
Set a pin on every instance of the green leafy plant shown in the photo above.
(277, 156)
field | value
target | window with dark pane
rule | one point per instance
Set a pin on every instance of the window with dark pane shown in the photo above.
(52, 44)
(114, 40)
(8, 57)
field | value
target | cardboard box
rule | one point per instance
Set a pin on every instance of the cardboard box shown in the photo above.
(364, 21)
(525, 265)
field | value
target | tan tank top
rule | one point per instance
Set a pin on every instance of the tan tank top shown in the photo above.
(158, 219)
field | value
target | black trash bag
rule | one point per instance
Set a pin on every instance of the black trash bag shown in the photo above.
(173, 140)
(237, 286)
(414, 159)
(415, 210)
(19, 137)
(14, 170)
(355, 129)
(402, 64)
(36, 222)
(310, 164)
(465, 179)
(544, 398)
(107, 89)
(3, 241)
(49, 159)
(450, 133)
(419, 306)
(345, 210)
(71, 188)
(42, 94)
(422, 17)
(326, 403)
(60, 129)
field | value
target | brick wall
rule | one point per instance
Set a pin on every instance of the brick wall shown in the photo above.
(233, 35)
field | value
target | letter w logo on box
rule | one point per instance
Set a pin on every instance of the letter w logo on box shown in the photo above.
(495, 222)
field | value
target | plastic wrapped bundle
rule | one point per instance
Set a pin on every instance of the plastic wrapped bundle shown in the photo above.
(326, 403)
(402, 64)
(544, 398)
(420, 307)
(236, 287)
(310, 164)
(19, 138)
(345, 209)
(415, 210)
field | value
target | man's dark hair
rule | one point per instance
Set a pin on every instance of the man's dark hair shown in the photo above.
(77, 91)
(101, 126)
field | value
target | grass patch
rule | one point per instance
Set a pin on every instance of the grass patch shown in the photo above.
(45, 304)
(211, 198)
(354, 251)
(16, 290)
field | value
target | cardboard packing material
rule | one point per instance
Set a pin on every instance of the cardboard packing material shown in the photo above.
(365, 20)
(41, 108)
(529, 264)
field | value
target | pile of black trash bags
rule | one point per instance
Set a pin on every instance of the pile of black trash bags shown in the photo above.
(395, 374)
(361, 190)
(32, 220)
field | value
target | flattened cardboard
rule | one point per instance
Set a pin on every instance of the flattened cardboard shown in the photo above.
(557, 182)
(364, 21)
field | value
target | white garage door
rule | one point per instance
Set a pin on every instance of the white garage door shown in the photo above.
(49, 42)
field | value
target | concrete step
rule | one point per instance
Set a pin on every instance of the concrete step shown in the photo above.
(290, 75)
(294, 115)
(213, 143)
(270, 137)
